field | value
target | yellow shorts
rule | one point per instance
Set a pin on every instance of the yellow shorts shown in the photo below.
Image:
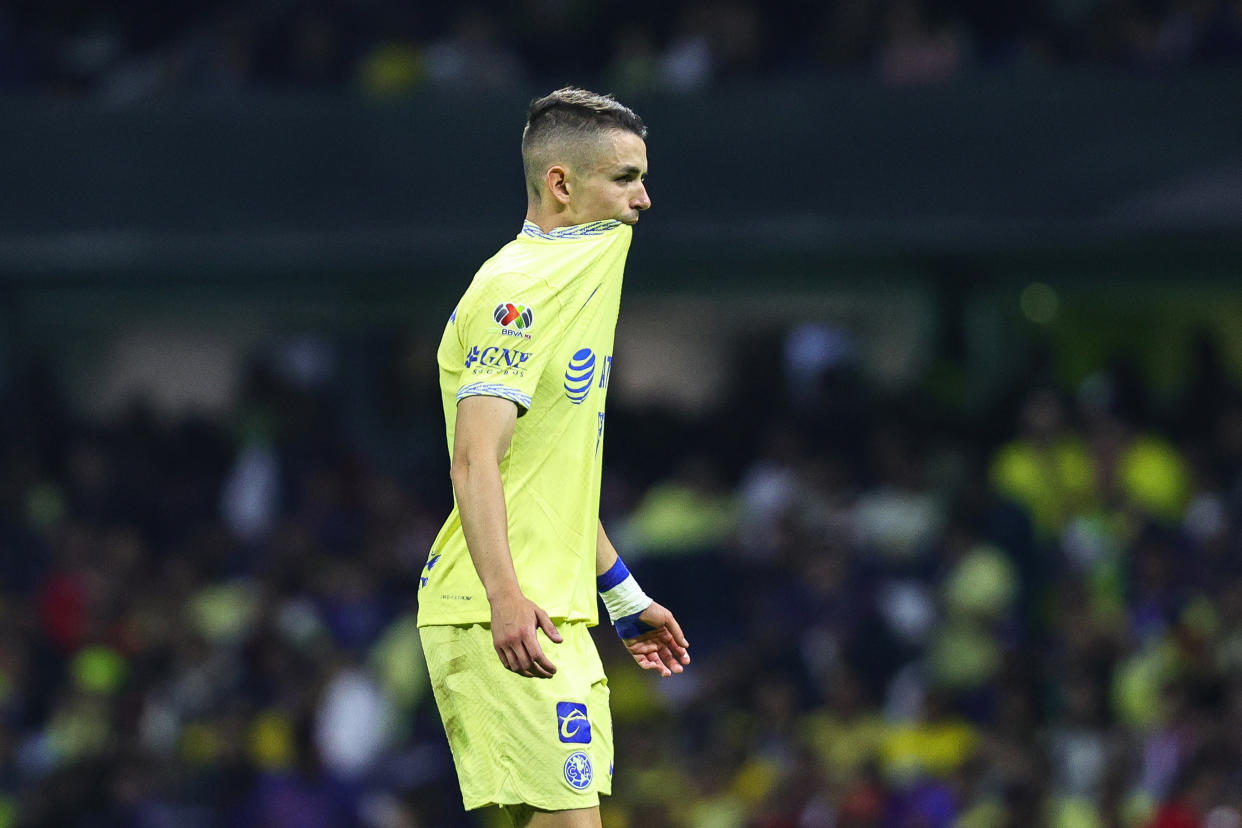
(516, 740)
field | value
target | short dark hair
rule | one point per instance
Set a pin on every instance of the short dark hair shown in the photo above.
(577, 109)
(567, 114)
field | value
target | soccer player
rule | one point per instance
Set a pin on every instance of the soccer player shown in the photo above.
(508, 592)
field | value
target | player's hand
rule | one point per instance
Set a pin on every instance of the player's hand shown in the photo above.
(515, 620)
(663, 646)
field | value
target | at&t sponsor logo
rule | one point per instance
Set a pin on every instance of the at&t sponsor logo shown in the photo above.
(579, 374)
(582, 370)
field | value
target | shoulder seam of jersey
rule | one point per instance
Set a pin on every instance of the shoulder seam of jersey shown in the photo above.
(577, 231)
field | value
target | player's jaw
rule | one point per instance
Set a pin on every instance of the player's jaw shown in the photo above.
(626, 207)
(630, 216)
(621, 207)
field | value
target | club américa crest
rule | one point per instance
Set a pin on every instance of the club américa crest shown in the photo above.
(578, 773)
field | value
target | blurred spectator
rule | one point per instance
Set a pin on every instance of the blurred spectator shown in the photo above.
(689, 62)
(473, 56)
(395, 64)
(124, 51)
(633, 68)
(1136, 472)
(897, 518)
(1047, 468)
(689, 513)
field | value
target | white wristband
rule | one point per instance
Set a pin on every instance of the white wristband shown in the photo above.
(621, 593)
(626, 598)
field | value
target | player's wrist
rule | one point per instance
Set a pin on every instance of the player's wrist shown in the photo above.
(623, 598)
(504, 593)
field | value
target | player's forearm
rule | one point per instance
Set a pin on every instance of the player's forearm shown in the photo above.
(605, 552)
(481, 504)
(623, 597)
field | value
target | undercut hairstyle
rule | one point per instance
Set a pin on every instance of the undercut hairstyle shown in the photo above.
(566, 126)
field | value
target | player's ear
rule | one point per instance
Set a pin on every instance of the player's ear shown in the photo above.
(557, 181)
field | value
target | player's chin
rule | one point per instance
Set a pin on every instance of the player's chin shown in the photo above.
(631, 218)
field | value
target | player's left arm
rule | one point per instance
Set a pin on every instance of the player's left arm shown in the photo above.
(651, 634)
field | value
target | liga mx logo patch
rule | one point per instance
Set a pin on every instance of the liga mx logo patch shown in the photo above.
(572, 722)
(579, 374)
(578, 771)
(519, 316)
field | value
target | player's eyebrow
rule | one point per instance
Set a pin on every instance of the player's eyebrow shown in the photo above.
(630, 171)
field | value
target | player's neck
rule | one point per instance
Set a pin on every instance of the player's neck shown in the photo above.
(548, 221)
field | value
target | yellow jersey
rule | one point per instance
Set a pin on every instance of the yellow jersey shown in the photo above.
(536, 327)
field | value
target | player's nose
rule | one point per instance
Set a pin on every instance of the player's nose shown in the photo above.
(643, 201)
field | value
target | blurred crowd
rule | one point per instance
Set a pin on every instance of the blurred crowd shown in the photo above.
(901, 614)
(125, 50)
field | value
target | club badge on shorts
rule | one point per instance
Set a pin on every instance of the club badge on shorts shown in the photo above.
(578, 771)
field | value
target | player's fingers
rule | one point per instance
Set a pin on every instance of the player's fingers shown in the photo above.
(524, 668)
(671, 642)
(518, 661)
(639, 647)
(505, 659)
(540, 664)
(675, 663)
(521, 664)
(675, 629)
(669, 660)
(653, 662)
(678, 651)
(545, 624)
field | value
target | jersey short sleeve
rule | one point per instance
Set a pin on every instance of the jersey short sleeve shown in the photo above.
(500, 328)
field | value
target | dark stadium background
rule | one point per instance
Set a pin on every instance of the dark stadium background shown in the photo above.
(926, 415)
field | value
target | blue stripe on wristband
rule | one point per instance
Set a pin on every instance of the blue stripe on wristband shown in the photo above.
(631, 627)
(613, 576)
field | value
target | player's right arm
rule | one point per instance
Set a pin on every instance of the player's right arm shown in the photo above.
(481, 438)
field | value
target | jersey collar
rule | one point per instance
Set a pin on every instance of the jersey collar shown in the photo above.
(577, 231)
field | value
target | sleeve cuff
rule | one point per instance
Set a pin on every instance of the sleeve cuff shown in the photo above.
(493, 389)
